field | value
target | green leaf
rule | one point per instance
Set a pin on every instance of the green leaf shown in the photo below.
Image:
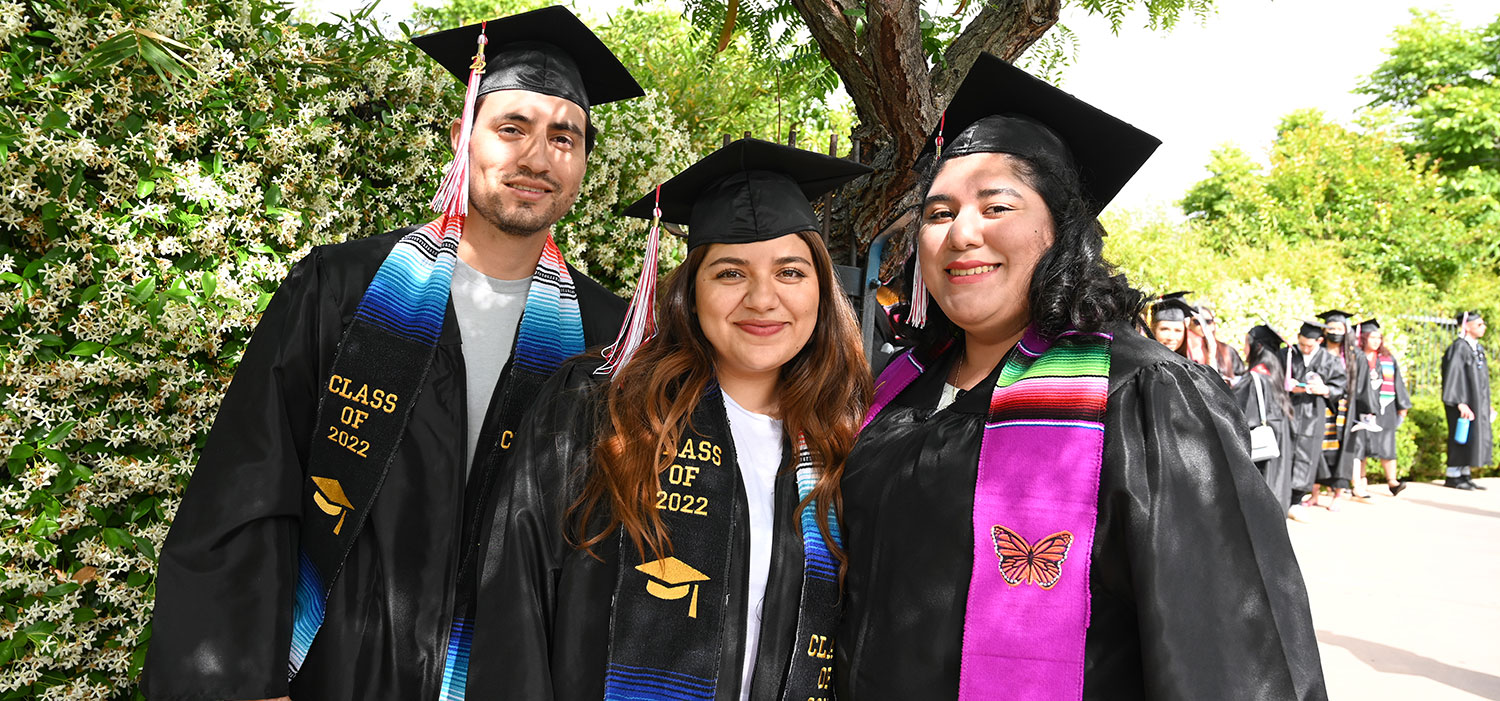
(855, 12)
(60, 590)
(116, 537)
(145, 187)
(210, 284)
(56, 119)
(143, 290)
(273, 197)
(10, 277)
(86, 348)
(59, 433)
(84, 614)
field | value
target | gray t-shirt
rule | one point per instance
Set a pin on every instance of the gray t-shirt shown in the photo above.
(488, 311)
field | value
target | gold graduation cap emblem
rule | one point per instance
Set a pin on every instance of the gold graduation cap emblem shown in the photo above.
(672, 579)
(334, 503)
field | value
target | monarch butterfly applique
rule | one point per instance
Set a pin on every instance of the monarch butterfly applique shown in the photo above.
(1022, 562)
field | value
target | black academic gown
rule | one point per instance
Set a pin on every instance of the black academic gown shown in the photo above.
(543, 624)
(1309, 417)
(225, 588)
(1343, 452)
(1278, 470)
(1196, 593)
(1466, 380)
(1382, 445)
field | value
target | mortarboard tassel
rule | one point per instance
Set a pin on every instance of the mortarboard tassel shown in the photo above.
(917, 317)
(452, 199)
(640, 318)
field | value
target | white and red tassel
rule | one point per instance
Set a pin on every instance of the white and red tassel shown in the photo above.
(640, 318)
(452, 199)
(917, 316)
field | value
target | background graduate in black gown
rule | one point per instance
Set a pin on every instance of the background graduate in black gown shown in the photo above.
(1466, 396)
(1392, 400)
(1316, 383)
(1342, 415)
(1262, 393)
(1187, 535)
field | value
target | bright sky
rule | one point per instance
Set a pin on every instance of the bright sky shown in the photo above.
(1229, 78)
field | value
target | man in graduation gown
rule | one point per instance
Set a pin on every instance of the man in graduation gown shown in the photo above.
(1317, 383)
(1466, 397)
(313, 428)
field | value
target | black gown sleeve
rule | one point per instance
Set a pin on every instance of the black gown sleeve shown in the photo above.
(225, 588)
(518, 589)
(1456, 388)
(1219, 599)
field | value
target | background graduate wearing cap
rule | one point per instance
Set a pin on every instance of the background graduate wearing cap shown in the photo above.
(1392, 402)
(1044, 504)
(397, 365)
(1264, 400)
(655, 543)
(1342, 417)
(1466, 397)
(1203, 345)
(1316, 382)
(1169, 320)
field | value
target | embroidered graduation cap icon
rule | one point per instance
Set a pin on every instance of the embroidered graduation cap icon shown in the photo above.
(671, 579)
(330, 498)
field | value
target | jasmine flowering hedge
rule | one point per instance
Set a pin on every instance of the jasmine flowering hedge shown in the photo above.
(162, 164)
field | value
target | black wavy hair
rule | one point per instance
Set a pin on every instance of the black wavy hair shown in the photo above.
(1073, 286)
(1258, 352)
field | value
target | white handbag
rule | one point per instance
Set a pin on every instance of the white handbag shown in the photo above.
(1263, 445)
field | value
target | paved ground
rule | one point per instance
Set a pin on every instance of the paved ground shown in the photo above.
(1406, 593)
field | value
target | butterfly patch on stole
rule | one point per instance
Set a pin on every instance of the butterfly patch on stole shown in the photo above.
(1022, 562)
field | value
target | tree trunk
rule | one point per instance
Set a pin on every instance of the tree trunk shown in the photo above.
(897, 98)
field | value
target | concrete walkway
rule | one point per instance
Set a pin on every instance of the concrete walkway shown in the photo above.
(1406, 593)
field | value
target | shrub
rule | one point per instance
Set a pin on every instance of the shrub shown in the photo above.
(161, 165)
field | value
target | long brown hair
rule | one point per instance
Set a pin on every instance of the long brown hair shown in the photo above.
(824, 392)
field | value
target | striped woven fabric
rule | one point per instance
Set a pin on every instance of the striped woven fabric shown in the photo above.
(627, 683)
(819, 562)
(1387, 381)
(1065, 387)
(410, 291)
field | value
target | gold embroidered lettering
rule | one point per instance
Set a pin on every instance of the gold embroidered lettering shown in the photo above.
(505, 440)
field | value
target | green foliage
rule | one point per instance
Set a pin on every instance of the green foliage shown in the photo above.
(1444, 79)
(1354, 187)
(1422, 440)
(163, 164)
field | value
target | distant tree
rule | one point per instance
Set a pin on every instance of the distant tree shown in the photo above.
(900, 63)
(1357, 187)
(1444, 78)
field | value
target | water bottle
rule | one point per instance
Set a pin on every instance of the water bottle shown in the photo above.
(1461, 432)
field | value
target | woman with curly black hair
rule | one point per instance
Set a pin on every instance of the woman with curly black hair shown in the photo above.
(1044, 504)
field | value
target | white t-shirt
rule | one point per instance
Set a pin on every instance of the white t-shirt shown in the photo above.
(488, 311)
(757, 445)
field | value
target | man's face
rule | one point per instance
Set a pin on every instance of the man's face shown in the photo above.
(526, 160)
(1307, 344)
(1476, 328)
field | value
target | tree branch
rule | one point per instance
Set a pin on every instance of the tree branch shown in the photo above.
(1003, 29)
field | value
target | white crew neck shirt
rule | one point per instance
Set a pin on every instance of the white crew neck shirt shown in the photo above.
(757, 447)
(489, 312)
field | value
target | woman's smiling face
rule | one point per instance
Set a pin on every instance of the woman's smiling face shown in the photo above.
(983, 231)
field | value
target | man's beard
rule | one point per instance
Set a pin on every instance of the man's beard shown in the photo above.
(523, 219)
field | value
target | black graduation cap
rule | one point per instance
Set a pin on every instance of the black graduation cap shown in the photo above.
(547, 51)
(750, 190)
(1171, 309)
(1311, 329)
(1368, 325)
(1002, 109)
(1468, 316)
(1333, 316)
(1267, 337)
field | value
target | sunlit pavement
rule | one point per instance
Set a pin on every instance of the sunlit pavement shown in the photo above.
(1406, 593)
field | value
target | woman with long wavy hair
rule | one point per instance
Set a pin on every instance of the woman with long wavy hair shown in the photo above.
(671, 530)
(1044, 504)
